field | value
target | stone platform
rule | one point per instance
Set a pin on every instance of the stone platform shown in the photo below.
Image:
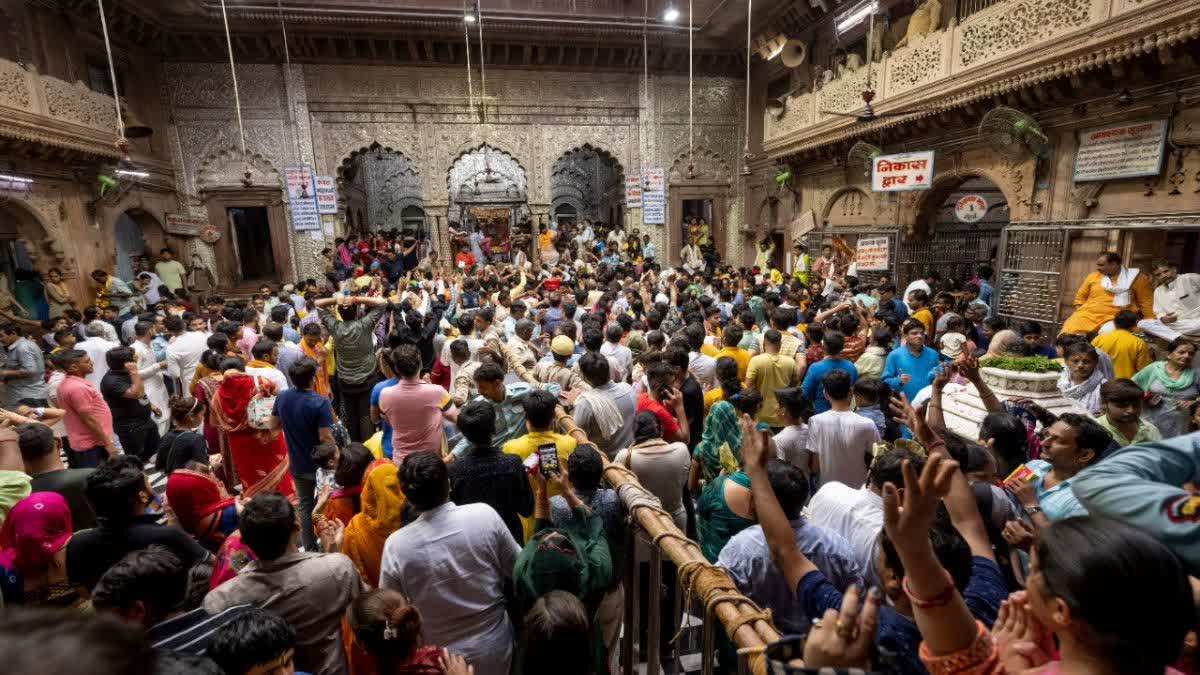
(964, 411)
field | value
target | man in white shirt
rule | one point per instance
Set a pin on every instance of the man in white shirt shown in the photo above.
(1176, 304)
(702, 366)
(265, 352)
(96, 347)
(451, 563)
(620, 358)
(840, 438)
(184, 351)
(857, 513)
(926, 284)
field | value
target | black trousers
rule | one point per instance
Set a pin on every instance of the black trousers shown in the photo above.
(138, 438)
(355, 409)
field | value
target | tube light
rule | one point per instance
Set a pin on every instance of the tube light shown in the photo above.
(15, 179)
(856, 15)
(132, 173)
(469, 18)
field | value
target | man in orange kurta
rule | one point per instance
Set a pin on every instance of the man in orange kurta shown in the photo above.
(1110, 289)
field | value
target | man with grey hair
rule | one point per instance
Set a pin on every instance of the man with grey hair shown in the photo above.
(96, 346)
(620, 359)
(1176, 304)
(524, 351)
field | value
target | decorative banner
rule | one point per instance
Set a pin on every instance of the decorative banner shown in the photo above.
(872, 254)
(184, 225)
(1126, 151)
(971, 209)
(654, 196)
(903, 172)
(302, 200)
(633, 192)
(326, 194)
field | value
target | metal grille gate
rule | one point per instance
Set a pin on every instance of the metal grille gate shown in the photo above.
(1030, 283)
(953, 252)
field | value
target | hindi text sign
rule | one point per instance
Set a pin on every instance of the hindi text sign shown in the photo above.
(326, 195)
(302, 199)
(970, 209)
(1126, 151)
(899, 173)
(184, 225)
(872, 254)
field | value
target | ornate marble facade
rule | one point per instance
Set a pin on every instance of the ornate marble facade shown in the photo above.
(322, 114)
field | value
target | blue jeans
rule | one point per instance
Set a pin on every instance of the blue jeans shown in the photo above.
(87, 459)
(306, 488)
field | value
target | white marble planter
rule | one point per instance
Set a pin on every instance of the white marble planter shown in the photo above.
(964, 411)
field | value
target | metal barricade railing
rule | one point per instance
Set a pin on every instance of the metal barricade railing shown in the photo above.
(698, 582)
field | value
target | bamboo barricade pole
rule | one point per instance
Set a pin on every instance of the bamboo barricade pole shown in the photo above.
(746, 623)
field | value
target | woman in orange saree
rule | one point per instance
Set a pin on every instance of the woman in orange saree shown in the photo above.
(259, 457)
(363, 540)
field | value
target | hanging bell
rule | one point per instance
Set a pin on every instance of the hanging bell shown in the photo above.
(134, 128)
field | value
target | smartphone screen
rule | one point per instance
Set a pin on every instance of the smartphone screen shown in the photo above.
(548, 457)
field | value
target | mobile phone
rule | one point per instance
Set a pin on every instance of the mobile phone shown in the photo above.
(548, 457)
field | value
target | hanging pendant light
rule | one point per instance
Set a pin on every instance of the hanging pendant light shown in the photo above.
(247, 171)
(126, 168)
(746, 154)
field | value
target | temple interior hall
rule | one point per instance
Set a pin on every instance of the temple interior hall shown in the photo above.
(213, 128)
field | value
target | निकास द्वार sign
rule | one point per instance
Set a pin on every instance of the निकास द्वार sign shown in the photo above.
(970, 209)
(899, 173)
(1126, 151)
(872, 254)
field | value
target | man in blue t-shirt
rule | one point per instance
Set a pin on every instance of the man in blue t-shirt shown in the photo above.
(833, 342)
(376, 416)
(306, 419)
(910, 367)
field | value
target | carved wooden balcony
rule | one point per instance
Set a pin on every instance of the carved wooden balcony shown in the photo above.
(1008, 46)
(53, 116)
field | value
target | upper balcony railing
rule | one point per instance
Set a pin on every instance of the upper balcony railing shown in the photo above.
(1011, 37)
(41, 109)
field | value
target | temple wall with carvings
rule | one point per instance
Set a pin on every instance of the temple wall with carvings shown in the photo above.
(322, 114)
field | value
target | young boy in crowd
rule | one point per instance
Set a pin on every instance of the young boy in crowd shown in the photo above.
(1122, 401)
(1129, 353)
(1031, 335)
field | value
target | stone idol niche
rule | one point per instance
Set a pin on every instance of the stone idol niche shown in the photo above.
(964, 411)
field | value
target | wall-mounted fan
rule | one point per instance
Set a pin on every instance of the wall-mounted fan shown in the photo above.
(863, 155)
(1013, 133)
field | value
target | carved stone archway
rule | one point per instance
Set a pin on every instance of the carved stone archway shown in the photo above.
(850, 205)
(591, 179)
(916, 207)
(382, 182)
(226, 168)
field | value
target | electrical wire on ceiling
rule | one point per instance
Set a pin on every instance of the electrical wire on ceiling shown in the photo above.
(691, 95)
(237, 99)
(746, 156)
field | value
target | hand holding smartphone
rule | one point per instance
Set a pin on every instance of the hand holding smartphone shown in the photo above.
(548, 458)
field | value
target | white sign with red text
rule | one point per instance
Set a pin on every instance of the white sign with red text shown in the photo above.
(872, 254)
(326, 195)
(970, 209)
(898, 173)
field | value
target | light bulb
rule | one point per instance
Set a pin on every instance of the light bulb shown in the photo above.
(671, 15)
(469, 18)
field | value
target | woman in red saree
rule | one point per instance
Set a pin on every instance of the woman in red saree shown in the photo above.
(259, 457)
(204, 389)
(203, 509)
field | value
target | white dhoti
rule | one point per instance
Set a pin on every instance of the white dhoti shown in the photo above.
(1170, 331)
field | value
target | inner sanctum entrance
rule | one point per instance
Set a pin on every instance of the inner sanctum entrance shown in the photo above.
(958, 230)
(252, 231)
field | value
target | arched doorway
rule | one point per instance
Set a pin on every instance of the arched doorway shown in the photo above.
(488, 193)
(19, 231)
(952, 241)
(382, 188)
(565, 214)
(135, 233)
(589, 181)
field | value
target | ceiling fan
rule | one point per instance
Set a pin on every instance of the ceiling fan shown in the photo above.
(868, 95)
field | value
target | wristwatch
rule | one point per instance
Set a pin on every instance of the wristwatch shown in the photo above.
(1032, 510)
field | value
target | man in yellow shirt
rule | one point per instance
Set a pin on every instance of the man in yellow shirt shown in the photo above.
(730, 339)
(918, 300)
(539, 417)
(770, 371)
(1129, 354)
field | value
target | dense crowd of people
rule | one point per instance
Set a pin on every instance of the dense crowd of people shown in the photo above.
(400, 467)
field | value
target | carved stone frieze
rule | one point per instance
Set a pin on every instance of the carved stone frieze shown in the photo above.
(226, 168)
(14, 85)
(843, 94)
(799, 114)
(701, 164)
(1007, 27)
(75, 102)
(923, 60)
(208, 85)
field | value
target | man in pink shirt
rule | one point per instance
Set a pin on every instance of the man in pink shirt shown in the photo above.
(88, 419)
(415, 409)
